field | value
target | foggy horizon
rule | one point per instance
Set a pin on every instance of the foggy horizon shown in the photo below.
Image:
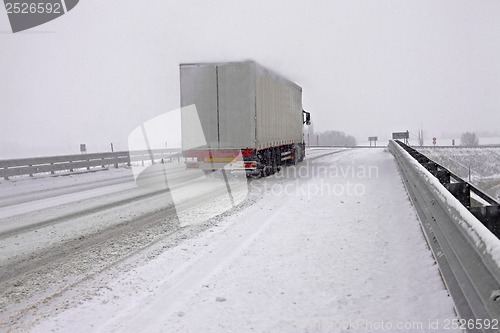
(366, 68)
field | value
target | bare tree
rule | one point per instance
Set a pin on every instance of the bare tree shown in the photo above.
(336, 138)
(469, 139)
(420, 137)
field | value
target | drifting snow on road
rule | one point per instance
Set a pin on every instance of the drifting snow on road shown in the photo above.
(330, 245)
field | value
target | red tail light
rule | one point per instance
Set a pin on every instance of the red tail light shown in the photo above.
(247, 152)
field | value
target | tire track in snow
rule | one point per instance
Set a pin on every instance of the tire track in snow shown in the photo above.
(39, 276)
(187, 278)
(23, 197)
(79, 213)
(67, 265)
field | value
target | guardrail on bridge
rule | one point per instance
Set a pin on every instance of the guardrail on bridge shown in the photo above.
(461, 237)
(36, 165)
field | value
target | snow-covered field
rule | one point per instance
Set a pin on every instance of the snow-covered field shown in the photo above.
(484, 164)
(440, 141)
(448, 141)
(330, 245)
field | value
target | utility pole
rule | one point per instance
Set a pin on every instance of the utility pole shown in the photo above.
(317, 139)
(112, 149)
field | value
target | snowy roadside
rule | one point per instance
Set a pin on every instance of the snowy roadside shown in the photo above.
(24, 188)
(334, 247)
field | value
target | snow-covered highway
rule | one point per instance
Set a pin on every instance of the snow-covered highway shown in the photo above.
(330, 245)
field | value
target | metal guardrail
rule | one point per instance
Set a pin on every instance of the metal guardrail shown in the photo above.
(36, 165)
(488, 214)
(467, 253)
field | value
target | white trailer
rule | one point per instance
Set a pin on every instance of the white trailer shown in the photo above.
(251, 117)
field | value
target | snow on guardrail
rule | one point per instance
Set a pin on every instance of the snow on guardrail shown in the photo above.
(467, 252)
(476, 230)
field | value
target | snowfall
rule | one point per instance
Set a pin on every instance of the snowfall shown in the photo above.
(330, 245)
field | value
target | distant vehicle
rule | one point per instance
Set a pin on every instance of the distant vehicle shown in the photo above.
(252, 118)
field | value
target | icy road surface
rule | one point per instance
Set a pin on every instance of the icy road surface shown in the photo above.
(331, 245)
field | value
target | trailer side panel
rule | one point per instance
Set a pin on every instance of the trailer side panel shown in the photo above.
(236, 91)
(199, 87)
(278, 110)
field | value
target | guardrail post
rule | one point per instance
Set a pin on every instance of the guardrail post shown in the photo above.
(102, 163)
(489, 216)
(461, 191)
(88, 161)
(422, 159)
(431, 166)
(71, 166)
(443, 176)
(5, 177)
(52, 167)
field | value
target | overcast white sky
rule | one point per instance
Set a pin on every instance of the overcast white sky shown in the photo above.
(366, 67)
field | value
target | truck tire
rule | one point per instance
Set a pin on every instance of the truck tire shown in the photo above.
(274, 165)
(254, 174)
(269, 162)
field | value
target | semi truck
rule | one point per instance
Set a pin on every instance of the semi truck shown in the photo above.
(252, 118)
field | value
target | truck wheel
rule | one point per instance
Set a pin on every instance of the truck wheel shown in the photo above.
(266, 172)
(276, 161)
(253, 173)
(274, 166)
(270, 163)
